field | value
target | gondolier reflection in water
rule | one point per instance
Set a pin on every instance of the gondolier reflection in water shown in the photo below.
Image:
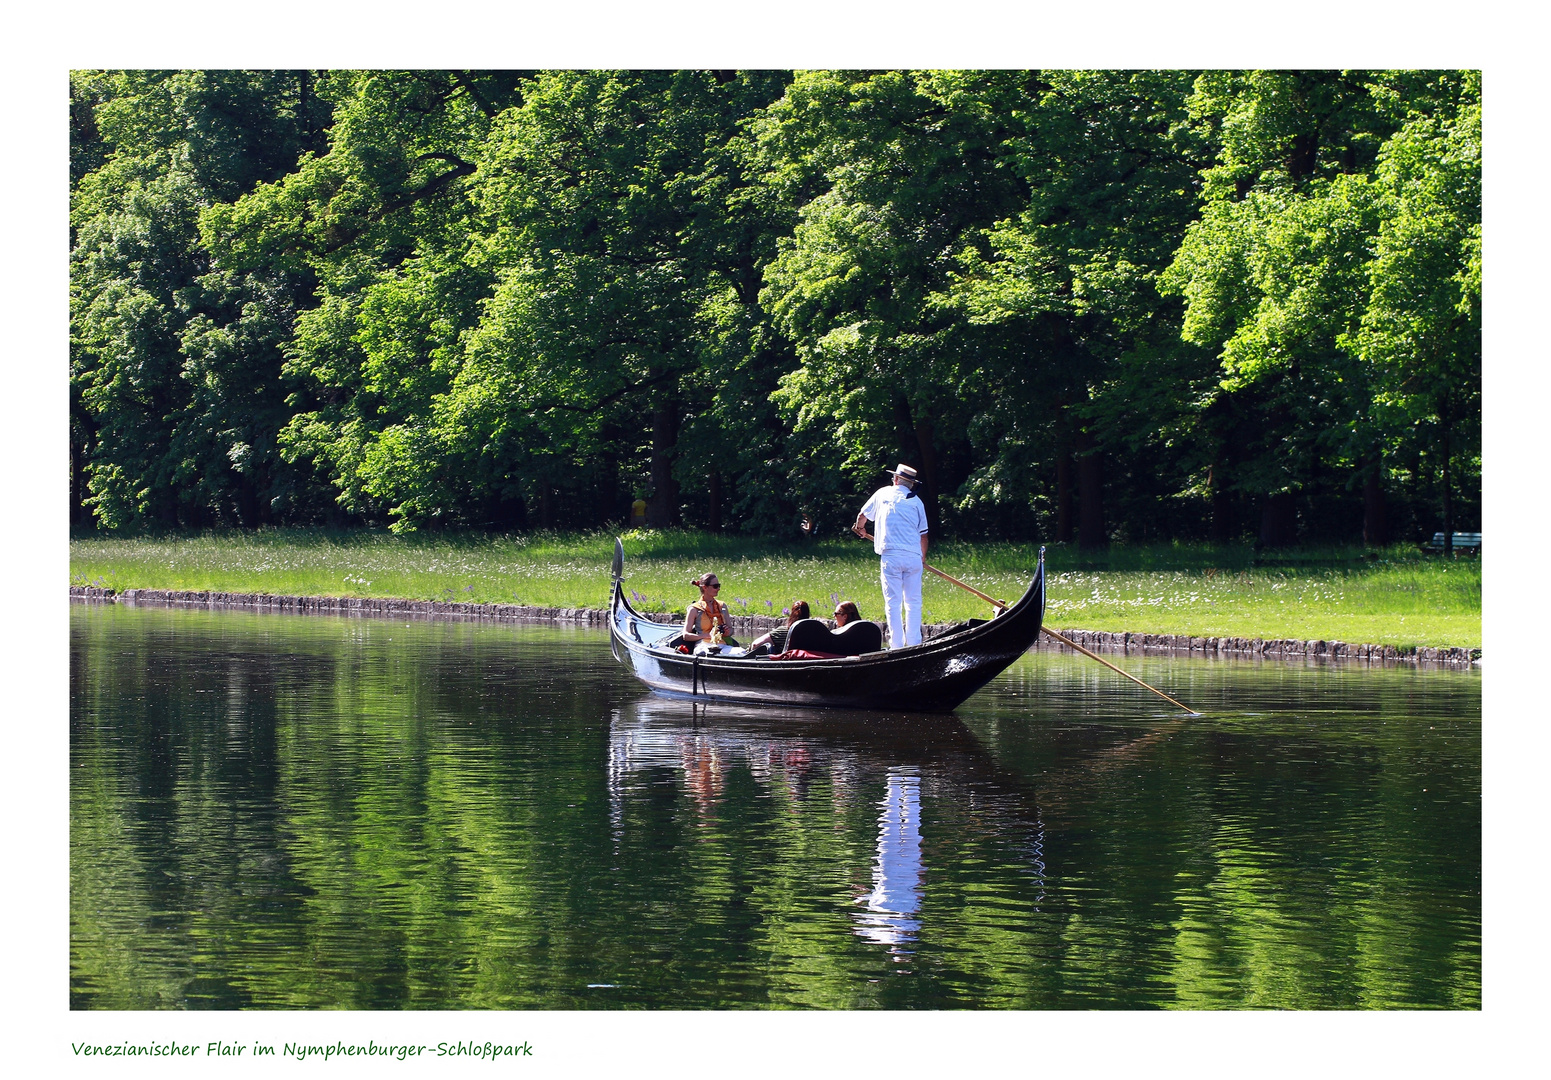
(899, 536)
(890, 918)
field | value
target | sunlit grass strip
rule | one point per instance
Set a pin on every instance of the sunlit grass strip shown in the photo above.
(1394, 598)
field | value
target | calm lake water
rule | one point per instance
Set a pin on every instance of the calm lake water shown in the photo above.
(276, 811)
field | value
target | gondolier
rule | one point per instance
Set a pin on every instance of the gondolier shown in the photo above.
(899, 536)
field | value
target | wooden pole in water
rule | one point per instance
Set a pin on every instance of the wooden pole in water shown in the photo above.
(1002, 605)
(1069, 643)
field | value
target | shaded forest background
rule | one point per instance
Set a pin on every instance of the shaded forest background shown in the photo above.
(1088, 306)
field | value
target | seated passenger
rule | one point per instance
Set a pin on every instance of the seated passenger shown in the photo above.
(846, 612)
(856, 636)
(811, 639)
(706, 619)
(775, 641)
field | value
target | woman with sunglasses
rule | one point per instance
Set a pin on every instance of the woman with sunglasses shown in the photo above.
(846, 612)
(708, 615)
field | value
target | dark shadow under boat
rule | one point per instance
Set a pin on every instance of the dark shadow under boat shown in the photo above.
(934, 676)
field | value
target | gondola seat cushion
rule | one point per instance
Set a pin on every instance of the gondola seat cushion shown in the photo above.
(853, 639)
(859, 637)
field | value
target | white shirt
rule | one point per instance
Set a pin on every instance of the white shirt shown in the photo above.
(898, 518)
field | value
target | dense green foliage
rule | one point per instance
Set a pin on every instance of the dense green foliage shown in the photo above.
(1089, 306)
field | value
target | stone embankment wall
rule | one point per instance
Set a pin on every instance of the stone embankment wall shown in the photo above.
(1279, 648)
(344, 605)
(1095, 640)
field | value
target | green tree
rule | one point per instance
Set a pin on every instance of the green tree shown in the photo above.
(884, 175)
(1084, 304)
(175, 366)
(625, 293)
(1091, 368)
(519, 285)
(974, 254)
(1279, 272)
(382, 220)
(1420, 332)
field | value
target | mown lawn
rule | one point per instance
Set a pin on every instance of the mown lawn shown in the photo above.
(1393, 597)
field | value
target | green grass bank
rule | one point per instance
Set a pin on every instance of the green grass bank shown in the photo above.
(1391, 597)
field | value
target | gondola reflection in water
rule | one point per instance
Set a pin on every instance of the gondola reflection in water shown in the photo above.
(935, 676)
(853, 759)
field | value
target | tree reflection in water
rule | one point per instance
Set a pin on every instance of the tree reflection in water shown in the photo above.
(308, 813)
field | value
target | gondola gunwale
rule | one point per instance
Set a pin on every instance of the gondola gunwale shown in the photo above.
(997, 642)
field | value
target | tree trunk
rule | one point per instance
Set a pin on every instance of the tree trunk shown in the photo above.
(78, 515)
(916, 450)
(608, 494)
(546, 508)
(1222, 506)
(1090, 494)
(714, 499)
(1448, 500)
(1064, 495)
(248, 503)
(508, 512)
(662, 509)
(1279, 521)
(923, 433)
(904, 430)
(1375, 523)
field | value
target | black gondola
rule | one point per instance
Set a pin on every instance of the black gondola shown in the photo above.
(934, 676)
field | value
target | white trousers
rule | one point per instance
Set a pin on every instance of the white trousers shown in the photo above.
(901, 573)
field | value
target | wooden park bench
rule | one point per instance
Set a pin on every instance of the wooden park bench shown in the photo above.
(1462, 541)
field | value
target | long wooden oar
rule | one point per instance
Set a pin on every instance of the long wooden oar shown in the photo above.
(1002, 604)
(1068, 642)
